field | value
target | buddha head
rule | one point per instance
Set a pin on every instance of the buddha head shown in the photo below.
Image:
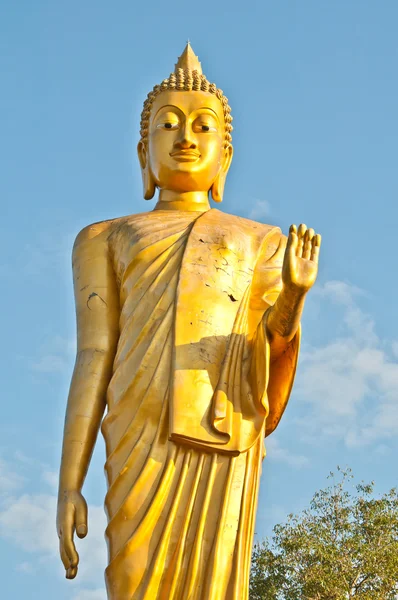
(186, 143)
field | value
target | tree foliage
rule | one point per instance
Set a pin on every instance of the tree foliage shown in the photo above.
(345, 545)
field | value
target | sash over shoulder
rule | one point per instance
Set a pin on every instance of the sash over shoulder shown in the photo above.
(222, 386)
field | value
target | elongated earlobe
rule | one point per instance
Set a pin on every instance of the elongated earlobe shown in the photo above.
(217, 189)
(148, 181)
(148, 184)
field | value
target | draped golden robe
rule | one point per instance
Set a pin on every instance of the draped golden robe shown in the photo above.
(191, 397)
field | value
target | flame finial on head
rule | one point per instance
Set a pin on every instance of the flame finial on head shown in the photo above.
(188, 61)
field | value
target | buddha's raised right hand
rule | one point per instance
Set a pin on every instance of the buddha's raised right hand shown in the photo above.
(71, 517)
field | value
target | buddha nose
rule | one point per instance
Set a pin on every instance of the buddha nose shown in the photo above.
(185, 139)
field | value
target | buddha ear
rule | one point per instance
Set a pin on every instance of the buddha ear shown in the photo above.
(148, 181)
(217, 189)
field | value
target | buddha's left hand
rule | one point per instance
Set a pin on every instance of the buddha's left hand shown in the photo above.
(300, 264)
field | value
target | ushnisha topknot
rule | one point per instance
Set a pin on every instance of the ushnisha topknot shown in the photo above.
(187, 76)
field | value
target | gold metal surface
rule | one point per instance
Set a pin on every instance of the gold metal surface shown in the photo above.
(188, 336)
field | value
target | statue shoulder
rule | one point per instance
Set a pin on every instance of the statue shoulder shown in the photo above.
(98, 232)
(248, 224)
(257, 231)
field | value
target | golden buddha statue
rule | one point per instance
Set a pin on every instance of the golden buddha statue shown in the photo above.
(188, 335)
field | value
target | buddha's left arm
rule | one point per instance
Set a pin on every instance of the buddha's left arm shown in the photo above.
(299, 272)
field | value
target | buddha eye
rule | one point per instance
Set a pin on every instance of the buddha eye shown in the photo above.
(204, 127)
(167, 125)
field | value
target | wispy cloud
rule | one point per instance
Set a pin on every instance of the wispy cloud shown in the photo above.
(25, 567)
(50, 363)
(51, 479)
(9, 480)
(350, 383)
(99, 594)
(45, 253)
(267, 515)
(30, 466)
(48, 251)
(55, 355)
(279, 454)
(28, 521)
(260, 210)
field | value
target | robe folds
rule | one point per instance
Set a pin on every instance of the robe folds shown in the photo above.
(193, 393)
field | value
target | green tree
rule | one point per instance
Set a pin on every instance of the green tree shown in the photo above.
(344, 546)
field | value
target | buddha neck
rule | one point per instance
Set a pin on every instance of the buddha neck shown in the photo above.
(188, 201)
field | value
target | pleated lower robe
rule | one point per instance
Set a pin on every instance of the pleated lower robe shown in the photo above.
(181, 504)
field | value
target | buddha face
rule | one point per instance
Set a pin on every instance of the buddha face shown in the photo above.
(185, 150)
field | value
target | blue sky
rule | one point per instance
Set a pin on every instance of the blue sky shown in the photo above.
(314, 95)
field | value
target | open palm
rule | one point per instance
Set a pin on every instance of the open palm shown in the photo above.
(300, 263)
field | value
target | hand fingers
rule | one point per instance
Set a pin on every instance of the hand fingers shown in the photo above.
(67, 561)
(307, 247)
(68, 528)
(64, 557)
(316, 245)
(301, 231)
(292, 240)
(81, 518)
(71, 573)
